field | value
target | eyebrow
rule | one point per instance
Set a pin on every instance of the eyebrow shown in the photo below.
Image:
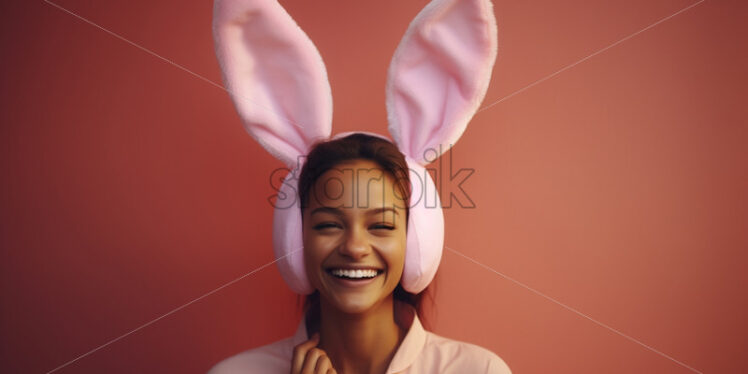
(338, 212)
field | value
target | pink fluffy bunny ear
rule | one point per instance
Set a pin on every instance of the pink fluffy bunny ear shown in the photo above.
(439, 76)
(278, 82)
(437, 79)
(275, 76)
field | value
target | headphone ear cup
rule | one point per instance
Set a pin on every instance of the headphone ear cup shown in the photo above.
(288, 244)
(425, 238)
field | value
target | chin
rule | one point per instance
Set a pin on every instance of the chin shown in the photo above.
(353, 304)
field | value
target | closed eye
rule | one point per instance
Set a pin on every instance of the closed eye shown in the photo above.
(326, 225)
(383, 226)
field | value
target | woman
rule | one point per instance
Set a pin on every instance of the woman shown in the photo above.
(353, 192)
(367, 237)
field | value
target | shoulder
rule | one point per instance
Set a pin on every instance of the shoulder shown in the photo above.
(271, 358)
(459, 356)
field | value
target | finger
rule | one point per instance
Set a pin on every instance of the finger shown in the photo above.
(310, 362)
(299, 353)
(323, 365)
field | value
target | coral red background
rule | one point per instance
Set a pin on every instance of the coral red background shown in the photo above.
(615, 187)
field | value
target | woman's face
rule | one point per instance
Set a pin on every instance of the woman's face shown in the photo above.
(355, 219)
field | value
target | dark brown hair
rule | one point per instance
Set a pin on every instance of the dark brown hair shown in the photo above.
(358, 146)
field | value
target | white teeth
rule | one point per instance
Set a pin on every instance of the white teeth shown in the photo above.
(354, 273)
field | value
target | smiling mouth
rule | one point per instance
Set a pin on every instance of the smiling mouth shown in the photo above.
(354, 275)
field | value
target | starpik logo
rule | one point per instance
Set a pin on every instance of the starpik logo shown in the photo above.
(440, 177)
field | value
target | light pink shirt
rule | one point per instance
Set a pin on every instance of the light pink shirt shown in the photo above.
(420, 352)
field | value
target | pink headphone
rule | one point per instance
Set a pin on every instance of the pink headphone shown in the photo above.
(438, 77)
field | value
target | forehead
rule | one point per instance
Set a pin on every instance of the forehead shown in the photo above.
(356, 184)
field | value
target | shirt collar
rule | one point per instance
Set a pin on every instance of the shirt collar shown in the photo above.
(409, 349)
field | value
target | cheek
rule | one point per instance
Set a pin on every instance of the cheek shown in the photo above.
(321, 245)
(393, 251)
(316, 249)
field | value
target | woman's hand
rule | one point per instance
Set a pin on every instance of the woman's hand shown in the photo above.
(308, 359)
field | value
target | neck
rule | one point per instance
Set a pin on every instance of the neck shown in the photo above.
(362, 342)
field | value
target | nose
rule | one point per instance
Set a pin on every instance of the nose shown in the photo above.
(355, 244)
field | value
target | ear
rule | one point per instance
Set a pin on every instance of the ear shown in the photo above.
(275, 76)
(439, 75)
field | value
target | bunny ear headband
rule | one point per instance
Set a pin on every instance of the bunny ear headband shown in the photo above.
(436, 81)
